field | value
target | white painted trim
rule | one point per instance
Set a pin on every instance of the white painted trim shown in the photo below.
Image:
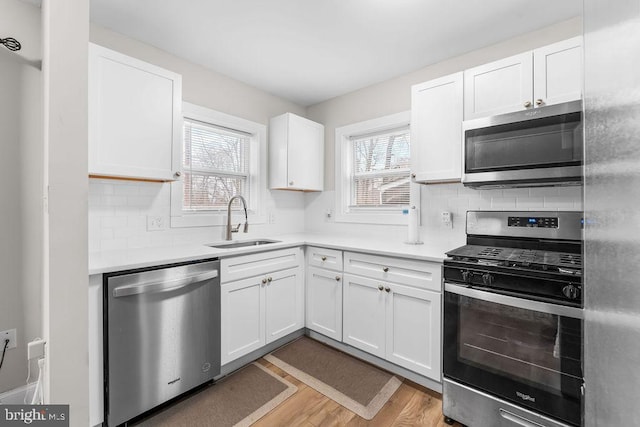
(343, 168)
(257, 170)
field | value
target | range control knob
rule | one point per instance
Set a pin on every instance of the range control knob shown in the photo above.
(571, 291)
(487, 279)
(466, 276)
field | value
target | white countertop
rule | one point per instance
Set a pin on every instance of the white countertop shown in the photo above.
(110, 261)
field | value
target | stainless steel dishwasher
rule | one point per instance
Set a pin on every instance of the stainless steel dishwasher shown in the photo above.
(162, 335)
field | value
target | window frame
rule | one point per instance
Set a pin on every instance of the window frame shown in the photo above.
(344, 172)
(257, 169)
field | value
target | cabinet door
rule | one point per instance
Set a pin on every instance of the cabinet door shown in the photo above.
(242, 310)
(499, 87)
(284, 303)
(305, 154)
(413, 330)
(324, 302)
(436, 129)
(134, 117)
(364, 314)
(558, 72)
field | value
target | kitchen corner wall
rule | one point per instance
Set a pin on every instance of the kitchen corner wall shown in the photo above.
(439, 198)
(118, 209)
(393, 96)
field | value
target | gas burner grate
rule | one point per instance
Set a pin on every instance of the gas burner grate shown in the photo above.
(491, 252)
(570, 260)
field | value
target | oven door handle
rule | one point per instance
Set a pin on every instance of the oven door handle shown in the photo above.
(543, 307)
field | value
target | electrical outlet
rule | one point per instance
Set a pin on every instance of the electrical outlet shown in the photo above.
(156, 223)
(447, 219)
(11, 336)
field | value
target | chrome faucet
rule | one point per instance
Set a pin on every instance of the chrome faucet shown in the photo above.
(231, 229)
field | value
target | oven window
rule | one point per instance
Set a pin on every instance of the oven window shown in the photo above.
(525, 356)
(548, 142)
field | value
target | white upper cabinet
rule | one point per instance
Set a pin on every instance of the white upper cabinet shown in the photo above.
(134, 118)
(296, 153)
(549, 75)
(436, 129)
(499, 87)
(558, 72)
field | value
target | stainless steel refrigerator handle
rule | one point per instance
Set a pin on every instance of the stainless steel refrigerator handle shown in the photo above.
(518, 419)
(162, 286)
(543, 307)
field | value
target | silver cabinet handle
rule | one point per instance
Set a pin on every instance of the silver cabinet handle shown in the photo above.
(387, 289)
(264, 281)
(269, 279)
(338, 278)
(527, 104)
(385, 269)
(163, 286)
(177, 174)
(413, 175)
(539, 102)
(380, 287)
(324, 258)
(290, 182)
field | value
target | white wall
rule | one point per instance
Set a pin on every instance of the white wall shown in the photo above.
(65, 296)
(21, 159)
(393, 96)
(118, 209)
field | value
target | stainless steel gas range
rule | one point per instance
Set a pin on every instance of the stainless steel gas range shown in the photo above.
(513, 321)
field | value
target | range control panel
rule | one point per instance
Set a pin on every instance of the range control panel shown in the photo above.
(527, 221)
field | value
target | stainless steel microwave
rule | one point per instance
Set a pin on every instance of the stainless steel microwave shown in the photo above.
(539, 147)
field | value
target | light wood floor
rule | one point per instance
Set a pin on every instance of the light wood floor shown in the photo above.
(411, 405)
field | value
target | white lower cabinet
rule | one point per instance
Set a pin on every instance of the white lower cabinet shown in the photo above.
(398, 323)
(413, 329)
(324, 302)
(260, 309)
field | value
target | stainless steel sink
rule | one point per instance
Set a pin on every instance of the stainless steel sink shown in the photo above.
(242, 243)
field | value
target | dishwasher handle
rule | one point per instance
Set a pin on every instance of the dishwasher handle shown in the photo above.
(163, 286)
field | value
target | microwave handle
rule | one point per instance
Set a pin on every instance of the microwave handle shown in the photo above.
(526, 304)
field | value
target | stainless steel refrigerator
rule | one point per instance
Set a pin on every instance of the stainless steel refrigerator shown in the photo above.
(612, 212)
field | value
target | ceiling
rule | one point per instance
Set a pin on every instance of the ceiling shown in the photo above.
(308, 51)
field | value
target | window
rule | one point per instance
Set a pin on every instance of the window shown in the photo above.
(372, 170)
(222, 157)
(381, 169)
(215, 166)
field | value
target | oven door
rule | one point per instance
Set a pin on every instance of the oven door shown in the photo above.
(526, 352)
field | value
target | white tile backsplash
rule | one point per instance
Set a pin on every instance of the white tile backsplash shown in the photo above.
(435, 199)
(118, 213)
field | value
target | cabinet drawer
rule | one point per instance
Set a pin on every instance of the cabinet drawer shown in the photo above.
(240, 267)
(423, 274)
(324, 258)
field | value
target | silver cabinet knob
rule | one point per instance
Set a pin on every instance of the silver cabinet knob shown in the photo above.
(338, 278)
(413, 175)
(264, 281)
(527, 104)
(177, 174)
(387, 289)
(324, 258)
(290, 182)
(385, 269)
(380, 287)
(269, 279)
(539, 102)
